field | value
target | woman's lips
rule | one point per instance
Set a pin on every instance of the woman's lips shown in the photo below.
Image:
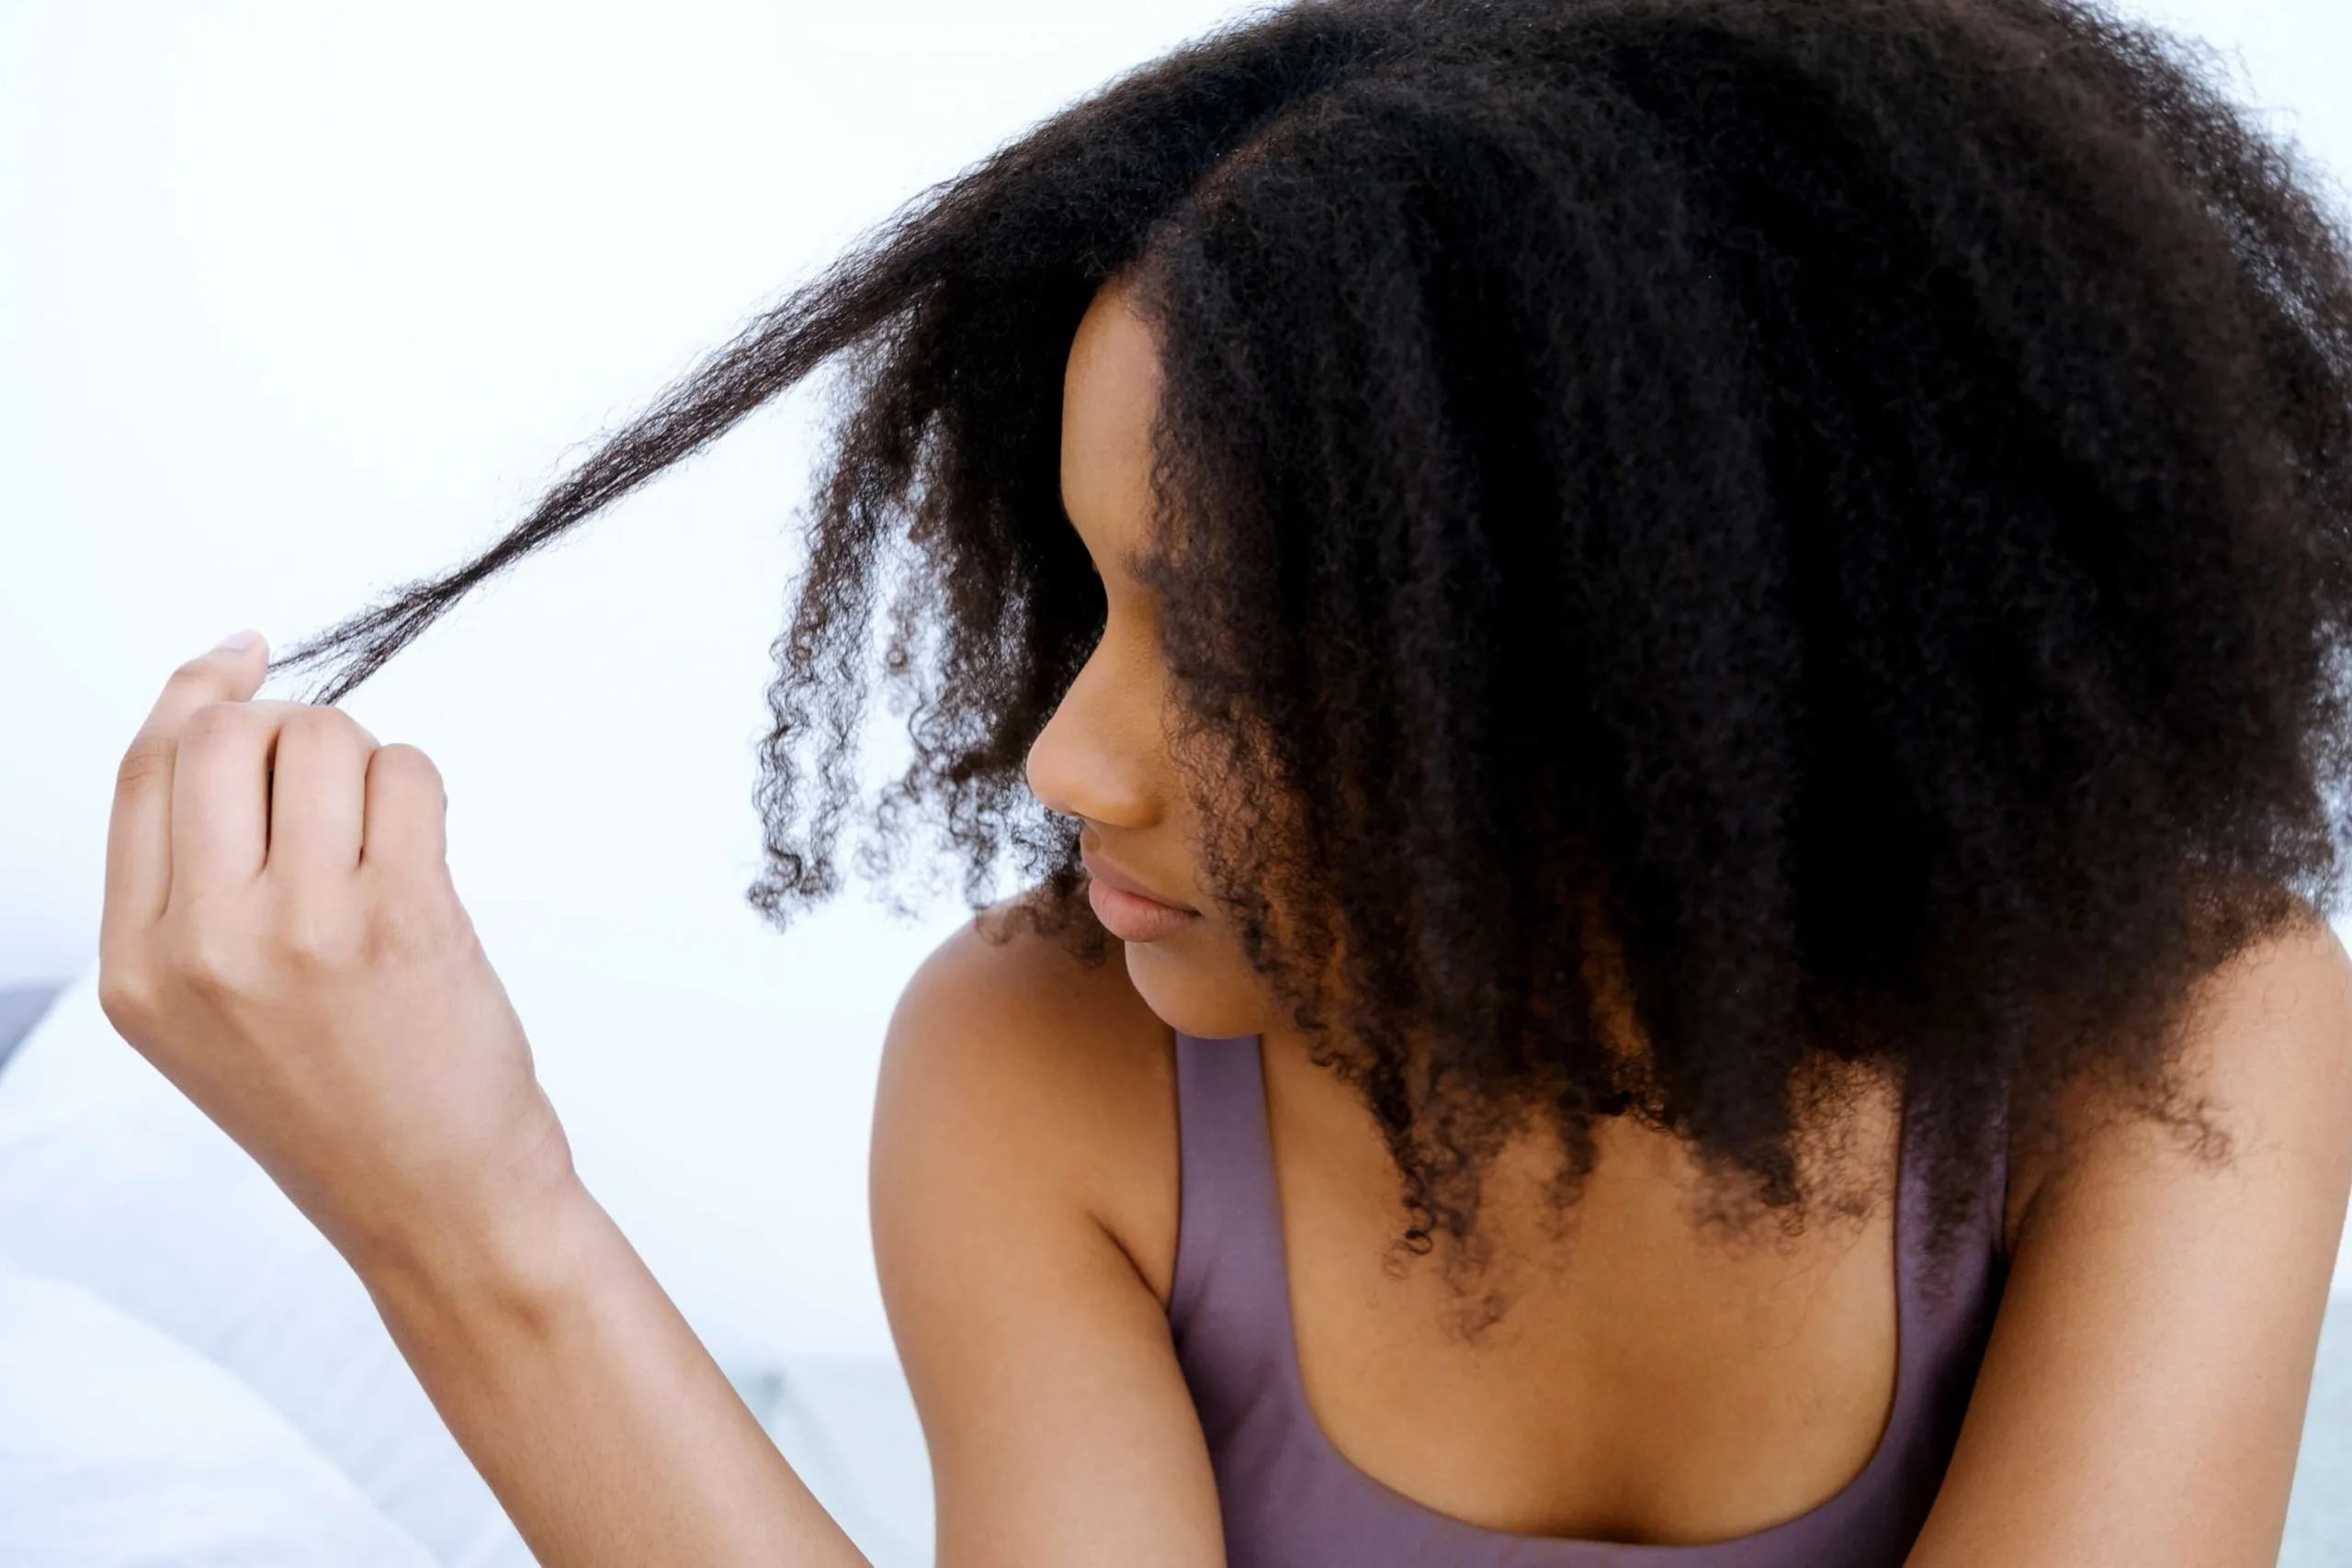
(1131, 917)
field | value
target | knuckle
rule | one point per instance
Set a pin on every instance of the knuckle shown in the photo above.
(214, 722)
(206, 959)
(313, 936)
(125, 995)
(421, 923)
(408, 781)
(408, 765)
(314, 723)
(204, 668)
(412, 924)
(148, 757)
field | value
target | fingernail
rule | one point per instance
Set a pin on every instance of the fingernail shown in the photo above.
(237, 642)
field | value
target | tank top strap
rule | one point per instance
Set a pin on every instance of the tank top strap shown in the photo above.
(1229, 1305)
(1949, 1299)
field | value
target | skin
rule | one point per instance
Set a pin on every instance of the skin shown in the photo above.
(296, 960)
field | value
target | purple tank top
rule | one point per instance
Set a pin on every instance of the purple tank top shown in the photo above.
(1291, 1500)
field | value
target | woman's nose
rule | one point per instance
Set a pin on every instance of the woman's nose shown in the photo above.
(1094, 758)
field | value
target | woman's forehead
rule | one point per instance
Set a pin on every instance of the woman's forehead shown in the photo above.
(1110, 392)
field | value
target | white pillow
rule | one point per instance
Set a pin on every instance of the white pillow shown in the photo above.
(111, 1180)
(745, 1197)
(121, 1449)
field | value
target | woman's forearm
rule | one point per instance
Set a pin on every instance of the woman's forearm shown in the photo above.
(578, 1390)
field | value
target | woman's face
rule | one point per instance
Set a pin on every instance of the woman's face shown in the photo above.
(1105, 757)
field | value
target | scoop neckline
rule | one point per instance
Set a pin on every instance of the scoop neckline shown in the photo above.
(1327, 1453)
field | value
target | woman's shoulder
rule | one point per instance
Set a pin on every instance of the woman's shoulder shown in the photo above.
(1012, 1062)
(2159, 1322)
(2268, 1038)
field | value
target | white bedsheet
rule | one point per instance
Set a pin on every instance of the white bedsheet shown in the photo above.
(121, 1448)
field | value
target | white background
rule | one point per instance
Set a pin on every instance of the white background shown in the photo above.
(301, 300)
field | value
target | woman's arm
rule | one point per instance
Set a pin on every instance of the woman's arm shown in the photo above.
(2143, 1393)
(282, 940)
(1025, 1174)
(579, 1393)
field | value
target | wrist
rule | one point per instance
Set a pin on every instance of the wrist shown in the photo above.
(518, 1262)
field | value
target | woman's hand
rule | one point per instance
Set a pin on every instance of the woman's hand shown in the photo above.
(282, 940)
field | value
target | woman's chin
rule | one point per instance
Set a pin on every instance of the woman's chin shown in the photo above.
(1191, 997)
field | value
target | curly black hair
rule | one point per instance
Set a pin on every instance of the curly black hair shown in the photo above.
(1822, 520)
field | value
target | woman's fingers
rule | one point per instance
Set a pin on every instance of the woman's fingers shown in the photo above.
(317, 797)
(139, 832)
(217, 789)
(220, 800)
(407, 815)
(284, 944)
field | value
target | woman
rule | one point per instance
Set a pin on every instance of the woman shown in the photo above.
(1690, 649)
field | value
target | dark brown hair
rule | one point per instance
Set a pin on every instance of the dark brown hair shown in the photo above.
(1848, 498)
